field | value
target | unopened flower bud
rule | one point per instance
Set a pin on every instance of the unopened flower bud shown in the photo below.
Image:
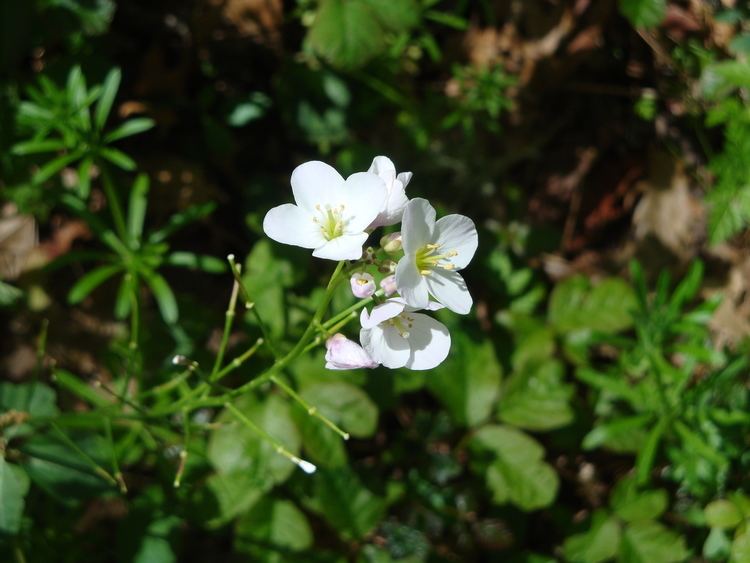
(387, 267)
(368, 256)
(391, 243)
(363, 284)
(343, 353)
(388, 285)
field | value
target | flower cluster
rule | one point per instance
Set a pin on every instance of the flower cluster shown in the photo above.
(334, 217)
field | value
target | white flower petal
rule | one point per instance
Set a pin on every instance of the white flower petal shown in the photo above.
(289, 224)
(449, 288)
(457, 232)
(393, 209)
(317, 183)
(411, 284)
(418, 224)
(429, 341)
(383, 167)
(385, 345)
(345, 247)
(404, 178)
(381, 313)
(366, 193)
(343, 353)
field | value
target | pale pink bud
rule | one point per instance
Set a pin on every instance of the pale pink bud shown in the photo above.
(391, 243)
(363, 284)
(343, 353)
(388, 285)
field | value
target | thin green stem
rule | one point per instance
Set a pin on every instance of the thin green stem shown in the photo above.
(310, 409)
(306, 466)
(115, 462)
(356, 307)
(184, 450)
(95, 467)
(228, 322)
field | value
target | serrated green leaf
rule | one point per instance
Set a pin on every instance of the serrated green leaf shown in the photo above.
(518, 474)
(633, 505)
(625, 434)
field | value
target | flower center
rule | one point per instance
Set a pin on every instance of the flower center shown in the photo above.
(428, 259)
(330, 220)
(402, 323)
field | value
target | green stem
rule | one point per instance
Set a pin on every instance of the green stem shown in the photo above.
(115, 462)
(95, 467)
(114, 203)
(310, 409)
(228, 322)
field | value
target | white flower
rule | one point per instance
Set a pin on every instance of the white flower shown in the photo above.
(395, 336)
(393, 208)
(362, 284)
(433, 252)
(331, 214)
(343, 353)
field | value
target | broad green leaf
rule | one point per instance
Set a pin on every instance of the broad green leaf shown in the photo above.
(209, 264)
(128, 129)
(605, 307)
(138, 203)
(468, 382)
(90, 281)
(537, 398)
(348, 33)
(163, 294)
(643, 13)
(741, 546)
(621, 435)
(717, 546)
(345, 404)
(323, 447)
(351, 509)
(227, 495)
(249, 110)
(155, 543)
(36, 399)
(273, 524)
(518, 473)
(633, 505)
(722, 514)
(118, 158)
(721, 78)
(650, 542)
(600, 543)
(14, 484)
(236, 448)
(109, 91)
(9, 294)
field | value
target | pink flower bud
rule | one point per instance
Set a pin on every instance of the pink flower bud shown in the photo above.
(363, 284)
(343, 353)
(388, 285)
(391, 243)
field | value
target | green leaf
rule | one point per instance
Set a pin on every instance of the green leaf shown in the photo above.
(468, 382)
(37, 146)
(193, 261)
(84, 177)
(606, 307)
(741, 546)
(53, 167)
(137, 208)
(622, 435)
(36, 399)
(156, 541)
(518, 473)
(109, 91)
(722, 514)
(273, 524)
(9, 294)
(90, 281)
(179, 220)
(348, 33)
(129, 128)
(253, 108)
(125, 295)
(236, 448)
(163, 294)
(598, 544)
(14, 484)
(118, 158)
(650, 542)
(536, 398)
(346, 405)
(633, 506)
(643, 13)
(646, 456)
(324, 447)
(351, 509)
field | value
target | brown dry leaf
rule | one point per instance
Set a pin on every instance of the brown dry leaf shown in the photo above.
(18, 237)
(259, 20)
(668, 212)
(731, 321)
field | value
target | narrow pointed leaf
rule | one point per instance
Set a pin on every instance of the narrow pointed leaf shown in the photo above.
(137, 207)
(109, 91)
(90, 282)
(129, 128)
(164, 296)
